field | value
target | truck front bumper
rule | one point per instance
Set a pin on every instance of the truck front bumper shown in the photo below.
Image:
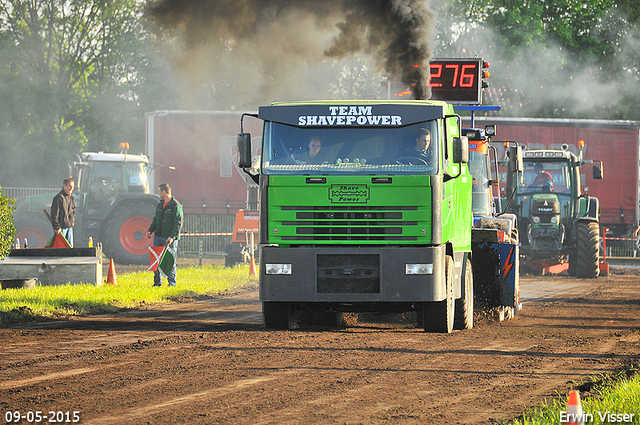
(340, 274)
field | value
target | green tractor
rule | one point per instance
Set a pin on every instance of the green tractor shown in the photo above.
(113, 202)
(558, 224)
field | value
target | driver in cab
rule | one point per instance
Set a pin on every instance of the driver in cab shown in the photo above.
(420, 149)
(313, 155)
(543, 178)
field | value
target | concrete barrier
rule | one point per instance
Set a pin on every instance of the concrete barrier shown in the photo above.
(54, 266)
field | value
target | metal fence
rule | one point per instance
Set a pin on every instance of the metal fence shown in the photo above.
(214, 230)
(622, 247)
(23, 192)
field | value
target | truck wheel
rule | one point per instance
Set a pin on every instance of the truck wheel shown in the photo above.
(233, 254)
(37, 230)
(587, 249)
(124, 234)
(332, 319)
(464, 306)
(438, 316)
(277, 315)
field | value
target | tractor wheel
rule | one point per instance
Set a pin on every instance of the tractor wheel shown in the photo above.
(35, 228)
(124, 234)
(464, 306)
(587, 249)
(573, 264)
(438, 316)
(277, 315)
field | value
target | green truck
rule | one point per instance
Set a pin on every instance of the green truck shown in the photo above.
(368, 224)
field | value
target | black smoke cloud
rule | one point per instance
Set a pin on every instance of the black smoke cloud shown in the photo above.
(277, 36)
(395, 32)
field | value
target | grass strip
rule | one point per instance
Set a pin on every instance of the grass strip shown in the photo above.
(606, 399)
(133, 290)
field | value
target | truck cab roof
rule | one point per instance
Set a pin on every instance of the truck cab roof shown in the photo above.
(354, 113)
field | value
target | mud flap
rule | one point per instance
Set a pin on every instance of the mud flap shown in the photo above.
(497, 276)
(510, 275)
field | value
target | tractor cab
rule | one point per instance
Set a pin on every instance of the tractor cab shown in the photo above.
(549, 202)
(102, 177)
(544, 199)
(114, 207)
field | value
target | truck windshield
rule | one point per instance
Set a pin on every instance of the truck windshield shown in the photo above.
(294, 150)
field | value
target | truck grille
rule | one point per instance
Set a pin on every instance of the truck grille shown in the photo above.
(348, 223)
(352, 273)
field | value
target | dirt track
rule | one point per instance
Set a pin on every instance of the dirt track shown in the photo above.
(213, 362)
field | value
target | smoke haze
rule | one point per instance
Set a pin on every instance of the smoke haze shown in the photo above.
(548, 81)
(243, 53)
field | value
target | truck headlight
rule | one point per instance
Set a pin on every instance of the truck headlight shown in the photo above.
(554, 219)
(418, 268)
(536, 219)
(277, 268)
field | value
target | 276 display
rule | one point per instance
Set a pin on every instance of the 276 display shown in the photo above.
(456, 80)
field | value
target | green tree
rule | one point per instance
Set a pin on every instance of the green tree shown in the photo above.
(7, 229)
(554, 58)
(358, 79)
(72, 75)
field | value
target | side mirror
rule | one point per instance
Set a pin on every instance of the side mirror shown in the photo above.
(244, 150)
(461, 150)
(598, 171)
(515, 159)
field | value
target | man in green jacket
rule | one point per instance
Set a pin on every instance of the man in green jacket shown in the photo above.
(167, 224)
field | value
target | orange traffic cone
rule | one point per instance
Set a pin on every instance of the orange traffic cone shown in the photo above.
(574, 409)
(111, 275)
(252, 268)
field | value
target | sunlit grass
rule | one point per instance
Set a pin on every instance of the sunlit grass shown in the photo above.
(133, 290)
(611, 394)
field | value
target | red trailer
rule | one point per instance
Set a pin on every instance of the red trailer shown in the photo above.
(201, 145)
(615, 143)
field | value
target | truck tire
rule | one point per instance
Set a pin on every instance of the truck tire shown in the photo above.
(464, 306)
(124, 234)
(233, 254)
(277, 315)
(587, 249)
(437, 316)
(331, 319)
(35, 228)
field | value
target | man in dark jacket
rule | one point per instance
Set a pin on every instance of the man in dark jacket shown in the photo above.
(421, 148)
(167, 224)
(63, 210)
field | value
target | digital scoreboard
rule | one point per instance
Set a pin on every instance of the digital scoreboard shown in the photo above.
(457, 80)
